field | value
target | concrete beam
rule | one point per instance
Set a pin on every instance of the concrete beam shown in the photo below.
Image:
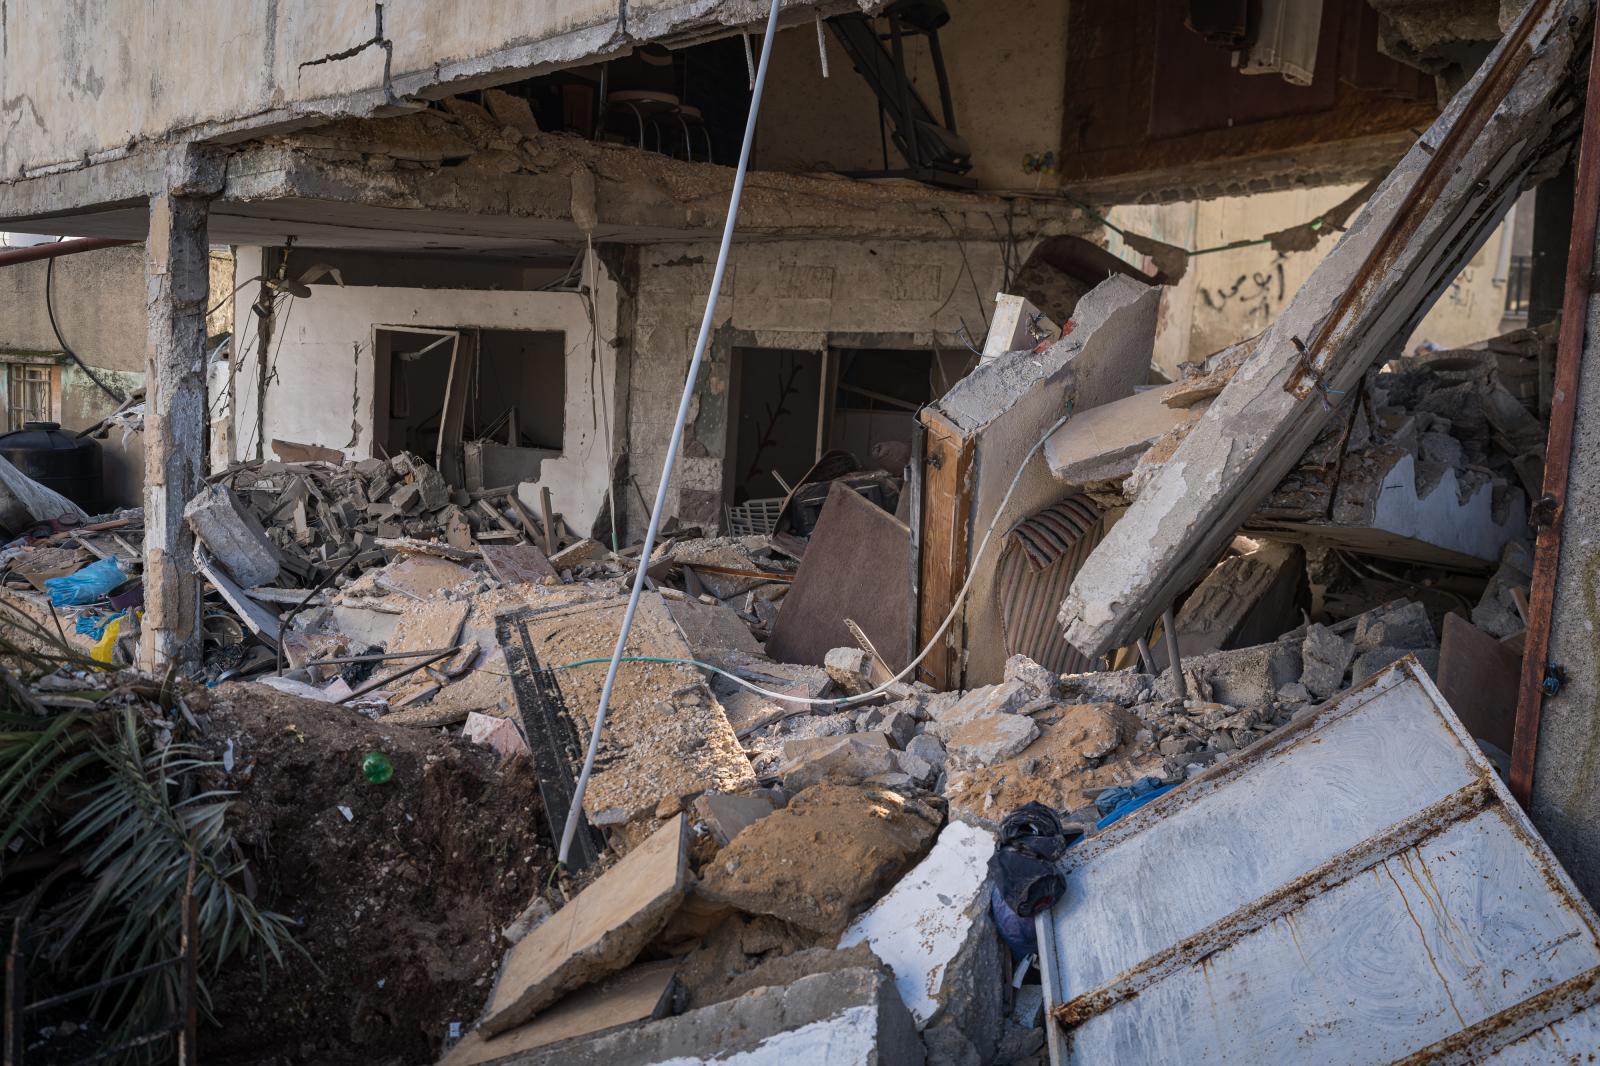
(338, 187)
(178, 273)
(1417, 231)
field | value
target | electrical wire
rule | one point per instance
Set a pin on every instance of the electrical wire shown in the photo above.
(50, 309)
(845, 701)
(675, 442)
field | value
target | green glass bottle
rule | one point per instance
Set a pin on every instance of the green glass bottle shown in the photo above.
(376, 767)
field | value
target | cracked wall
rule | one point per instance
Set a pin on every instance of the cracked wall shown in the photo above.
(81, 83)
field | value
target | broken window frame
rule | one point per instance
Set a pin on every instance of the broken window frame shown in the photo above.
(30, 374)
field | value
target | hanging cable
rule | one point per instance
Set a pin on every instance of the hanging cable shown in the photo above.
(758, 83)
(49, 307)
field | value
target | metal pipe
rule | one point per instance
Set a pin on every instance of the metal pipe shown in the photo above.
(676, 441)
(1169, 631)
(1577, 306)
(57, 249)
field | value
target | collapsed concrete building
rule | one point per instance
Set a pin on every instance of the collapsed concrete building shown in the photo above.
(940, 539)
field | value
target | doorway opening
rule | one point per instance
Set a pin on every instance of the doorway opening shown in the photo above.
(789, 407)
(486, 406)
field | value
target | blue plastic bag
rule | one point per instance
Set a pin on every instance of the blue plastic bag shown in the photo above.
(88, 585)
(94, 625)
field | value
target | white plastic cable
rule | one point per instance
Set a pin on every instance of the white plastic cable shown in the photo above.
(961, 596)
(759, 82)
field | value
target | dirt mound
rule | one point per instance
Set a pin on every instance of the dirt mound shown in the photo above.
(402, 901)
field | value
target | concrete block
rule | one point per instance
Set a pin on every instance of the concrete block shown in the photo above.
(602, 930)
(850, 1017)
(1045, 683)
(233, 536)
(1004, 698)
(925, 921)
(726, 815)
(819, 861)
(1248, 677)
(1105, 443)
(929, 747)
(986, 741)
(1405, 626)
(1325, 656)
(853, 757)
(848, 667)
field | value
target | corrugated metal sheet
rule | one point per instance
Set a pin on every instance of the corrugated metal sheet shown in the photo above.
(1042, 554)
(1357, 888)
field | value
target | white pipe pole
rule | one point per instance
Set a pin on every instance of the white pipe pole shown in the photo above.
(576, 812)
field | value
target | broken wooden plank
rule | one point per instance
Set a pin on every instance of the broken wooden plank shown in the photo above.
(1419, 229)
(599, 932)
(1478, 675)
(517, 564)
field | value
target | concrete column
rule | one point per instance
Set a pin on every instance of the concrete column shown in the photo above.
(177, 275)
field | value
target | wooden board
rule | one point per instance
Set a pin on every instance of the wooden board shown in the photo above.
(855, 568)
(1357, 887)
(516, 564)
(946, 518)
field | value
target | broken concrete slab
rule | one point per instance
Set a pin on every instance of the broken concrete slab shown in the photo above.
(665, 736)
(518, 564)
(421, 576)
(1391, 502)
(1418, 229)
(1246, 599)
(1105, 443)
(850, 1017)
(232, 535)
(728, 815)
(1004, 698)
(598, 932)
(748, 711)
(926, 930)
(1496, 612)
(714, 632)
(851, 758)
(639, 993)
(774, 867)
(988, 740)
(1325, 657)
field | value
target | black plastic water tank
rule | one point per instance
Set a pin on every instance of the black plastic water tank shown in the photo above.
(57, 460)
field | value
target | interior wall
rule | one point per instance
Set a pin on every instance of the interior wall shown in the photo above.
(1227, 296)
(322, 372)
(801, 295)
